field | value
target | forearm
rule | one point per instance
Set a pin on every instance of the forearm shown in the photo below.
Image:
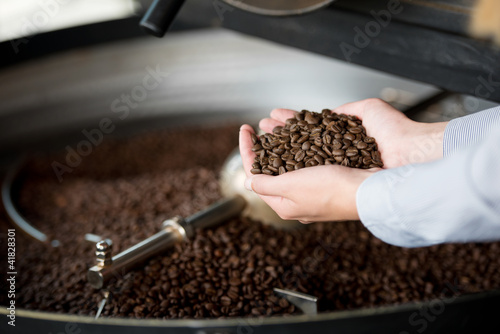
(455, 199)
(465, 131)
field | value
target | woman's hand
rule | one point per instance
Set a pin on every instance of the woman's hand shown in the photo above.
(400, 140)
(328, 193)
(322, 193)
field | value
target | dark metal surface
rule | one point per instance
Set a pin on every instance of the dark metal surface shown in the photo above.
(279, 7)
(467, 314)
(423, 42)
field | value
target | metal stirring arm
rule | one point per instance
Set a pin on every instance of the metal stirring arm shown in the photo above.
(174, 230)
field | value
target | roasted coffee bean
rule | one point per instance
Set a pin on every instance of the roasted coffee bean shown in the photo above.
(327, 150)
(277, 130)
(349, 136)
(369, 140)
(319, 159)
(257, 147)
(338, 152)
(352, 123)
(267, 171)
(302, 139)
(365, 153)
(355, 130)
(256, 171)
(361, 145)
(299, 165)
(300, 156)
(255, 139)
(279, 150)
(310, 134)
(352, 269)
(351, 151)
(273, 169)
(277, 162)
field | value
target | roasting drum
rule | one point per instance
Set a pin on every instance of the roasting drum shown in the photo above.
(81, 94)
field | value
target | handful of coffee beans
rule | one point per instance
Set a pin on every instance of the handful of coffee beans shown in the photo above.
(311, 139)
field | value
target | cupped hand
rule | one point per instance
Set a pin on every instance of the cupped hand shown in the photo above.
(400, 140)
(322, 193)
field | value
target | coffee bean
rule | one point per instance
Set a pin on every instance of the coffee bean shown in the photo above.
(369, 140)
(355, 130)
(349, 136)
(225, 300)
(267, 171)
(255, 139)
(273, 169)
(300, 156)
(257, 147)
(352, 123)
(299, 165)
(202, 269)
(361, 145)
(319, 159)
(302, 139)
(338, 152)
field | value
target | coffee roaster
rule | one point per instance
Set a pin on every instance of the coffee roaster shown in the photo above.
(426, 41)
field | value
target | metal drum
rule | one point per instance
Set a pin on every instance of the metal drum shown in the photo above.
(53, 99)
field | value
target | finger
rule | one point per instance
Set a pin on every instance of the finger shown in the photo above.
(281, 114)
(352, 108)
(268, 124)
(267, 185)
(247, 155)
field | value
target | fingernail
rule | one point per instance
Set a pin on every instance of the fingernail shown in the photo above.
(248, 183)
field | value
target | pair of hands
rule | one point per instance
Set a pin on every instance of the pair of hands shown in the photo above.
(328, 193)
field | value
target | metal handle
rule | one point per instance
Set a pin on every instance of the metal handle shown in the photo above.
(172, 233)
(160, 16)
(215, 214)
(174, 230)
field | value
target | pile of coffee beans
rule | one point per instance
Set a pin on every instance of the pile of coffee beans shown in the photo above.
(311, 139)
(125, 189)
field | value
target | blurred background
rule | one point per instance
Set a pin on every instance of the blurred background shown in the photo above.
(71, 63)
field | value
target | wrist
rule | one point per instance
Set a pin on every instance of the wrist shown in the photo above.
(427, 142)
(357, 178)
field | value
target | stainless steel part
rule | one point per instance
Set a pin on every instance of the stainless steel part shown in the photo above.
(11, 210)
(93, 238)
(279, 7)
(103, 253)
(107, 296)
(306, 303)
(232, 181)
(174, 230)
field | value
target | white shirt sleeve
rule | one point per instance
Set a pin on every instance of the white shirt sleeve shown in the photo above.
(455, 199)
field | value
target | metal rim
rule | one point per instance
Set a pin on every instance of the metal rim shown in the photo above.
(290, 7)
(232, 322)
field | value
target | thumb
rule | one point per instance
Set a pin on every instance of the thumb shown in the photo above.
(266, 185)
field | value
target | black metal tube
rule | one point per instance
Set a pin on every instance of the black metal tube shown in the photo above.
(160, 16)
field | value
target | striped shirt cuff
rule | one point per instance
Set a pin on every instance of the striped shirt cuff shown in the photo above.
(465, 131)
